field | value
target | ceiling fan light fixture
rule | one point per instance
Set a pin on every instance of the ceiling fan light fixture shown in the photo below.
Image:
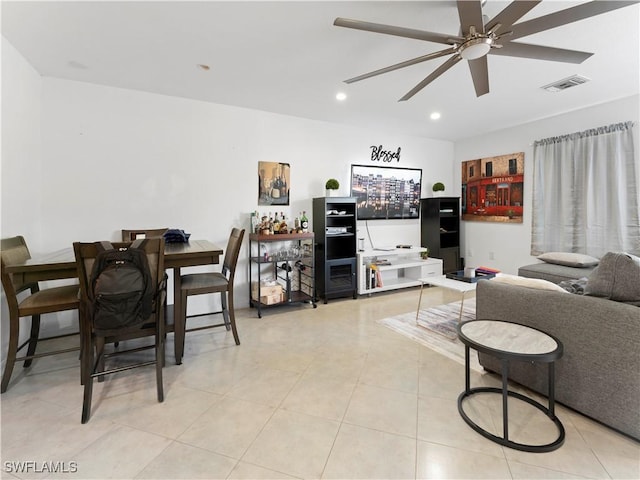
(475, 48)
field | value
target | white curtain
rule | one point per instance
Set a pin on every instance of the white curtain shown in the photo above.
(585, 197)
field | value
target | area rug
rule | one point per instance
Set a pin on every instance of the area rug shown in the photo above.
(436, 329)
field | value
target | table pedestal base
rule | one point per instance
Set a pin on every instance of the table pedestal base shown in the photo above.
(505, 440)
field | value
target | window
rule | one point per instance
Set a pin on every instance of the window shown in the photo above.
(585, 196)
(488, 169)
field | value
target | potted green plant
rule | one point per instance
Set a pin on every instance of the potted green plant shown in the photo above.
(438, 188)
(425, 255)
(332, 187)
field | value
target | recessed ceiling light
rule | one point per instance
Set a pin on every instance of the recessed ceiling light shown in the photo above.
(341, 96)
(204, 67)
(435, 116)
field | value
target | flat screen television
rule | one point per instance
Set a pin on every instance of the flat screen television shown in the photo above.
(386, 193)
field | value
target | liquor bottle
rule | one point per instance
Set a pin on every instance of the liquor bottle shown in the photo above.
(304, 222)
(296, 224)
(276, 224)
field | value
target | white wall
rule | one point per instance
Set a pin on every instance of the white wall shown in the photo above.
(21, 147)
(150, 160)
(510, 243)
(21, 175)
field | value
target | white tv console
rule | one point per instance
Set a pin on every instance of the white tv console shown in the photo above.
(403, 268)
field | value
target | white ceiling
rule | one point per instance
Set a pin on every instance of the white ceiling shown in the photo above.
(287, 57)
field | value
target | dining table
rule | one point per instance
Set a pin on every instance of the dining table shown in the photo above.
(61, 264)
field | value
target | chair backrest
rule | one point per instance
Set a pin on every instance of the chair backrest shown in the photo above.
(13, 250)
(131, 235)
(232, 254)
(86, 254)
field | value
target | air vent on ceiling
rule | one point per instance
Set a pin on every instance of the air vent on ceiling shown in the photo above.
(565, 83)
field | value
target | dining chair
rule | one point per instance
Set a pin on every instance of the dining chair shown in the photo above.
(14, 250)
(131, 235)
(94, 338)
(210, 282)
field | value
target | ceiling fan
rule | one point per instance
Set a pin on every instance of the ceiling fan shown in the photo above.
(479, 38)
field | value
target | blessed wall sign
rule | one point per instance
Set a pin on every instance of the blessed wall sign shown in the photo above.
(379, 154)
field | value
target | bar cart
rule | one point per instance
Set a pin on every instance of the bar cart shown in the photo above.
(281, 270)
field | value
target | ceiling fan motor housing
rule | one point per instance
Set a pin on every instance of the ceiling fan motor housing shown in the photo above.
(475, 47)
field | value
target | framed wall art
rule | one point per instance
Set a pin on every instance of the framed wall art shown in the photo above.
(492, 188)
(274, 180)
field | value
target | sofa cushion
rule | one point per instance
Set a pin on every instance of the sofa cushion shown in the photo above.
(569, 259)
(617, 278)
(527, 282)
(554, 273)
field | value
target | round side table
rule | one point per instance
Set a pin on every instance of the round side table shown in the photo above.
(509, 341)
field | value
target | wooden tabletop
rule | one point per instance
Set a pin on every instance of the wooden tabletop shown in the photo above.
(62, 263)
(195, 252)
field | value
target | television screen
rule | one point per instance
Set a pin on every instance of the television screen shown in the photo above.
(386, 192)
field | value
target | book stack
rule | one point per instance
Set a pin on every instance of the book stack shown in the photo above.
(382, 261)
(374, 277)
(486, 271)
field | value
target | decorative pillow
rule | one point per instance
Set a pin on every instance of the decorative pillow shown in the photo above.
(569, 259)
(538, 283)
(617, 278)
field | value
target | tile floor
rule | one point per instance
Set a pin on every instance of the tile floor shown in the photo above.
(310, 393)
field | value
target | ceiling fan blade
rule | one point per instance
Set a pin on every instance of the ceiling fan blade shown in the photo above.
(470, 13)
(398, 31)
(480, 75)
(423, 58)
(511, 14)
(569, 15)
(436, 73)
(538, 52)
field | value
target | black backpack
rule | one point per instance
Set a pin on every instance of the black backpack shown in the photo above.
(121, 290)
